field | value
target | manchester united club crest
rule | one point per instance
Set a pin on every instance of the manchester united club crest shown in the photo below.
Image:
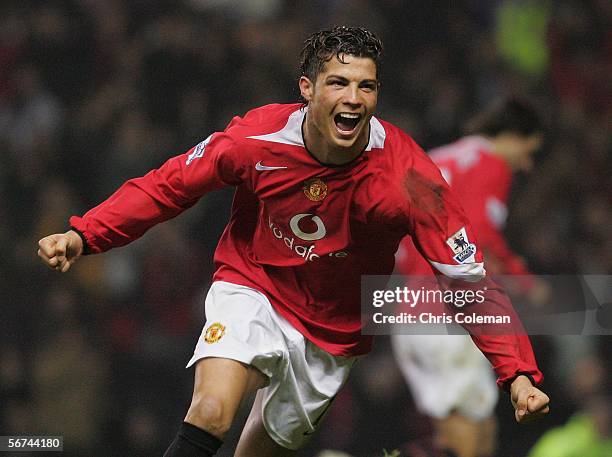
(214, 333)
(315, 189)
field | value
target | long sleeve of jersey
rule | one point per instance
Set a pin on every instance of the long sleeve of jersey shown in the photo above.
(161, 194)
(443, 235)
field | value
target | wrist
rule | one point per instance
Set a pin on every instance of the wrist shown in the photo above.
(76, 242)
(82, 241)
(522, 378)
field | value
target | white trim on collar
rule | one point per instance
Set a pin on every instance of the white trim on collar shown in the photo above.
(291, 133)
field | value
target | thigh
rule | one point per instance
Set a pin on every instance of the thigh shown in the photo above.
(238, 351)
(255, 440)
(459, 434)
(488, 437)
(220, 386)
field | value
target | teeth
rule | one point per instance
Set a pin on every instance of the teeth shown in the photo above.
(349, 115)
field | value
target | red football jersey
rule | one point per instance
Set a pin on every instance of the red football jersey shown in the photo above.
(303, 232)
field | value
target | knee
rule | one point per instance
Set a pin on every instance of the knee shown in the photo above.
(209, 413)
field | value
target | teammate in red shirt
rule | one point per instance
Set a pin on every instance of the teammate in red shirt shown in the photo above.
(478, 168)
(324, 194)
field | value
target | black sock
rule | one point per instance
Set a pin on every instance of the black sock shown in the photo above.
(192, 441)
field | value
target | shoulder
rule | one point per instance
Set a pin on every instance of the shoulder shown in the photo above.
(241, 133)
(401, 152)
(403, 165)
(262, 120)
(470, 152)
(271, 112)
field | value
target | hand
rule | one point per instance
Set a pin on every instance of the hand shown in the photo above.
(61, 250)
(529, 402)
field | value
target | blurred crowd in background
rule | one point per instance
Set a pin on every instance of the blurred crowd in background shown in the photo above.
(93, 92)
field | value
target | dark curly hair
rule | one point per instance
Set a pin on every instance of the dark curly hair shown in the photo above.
(321, 46)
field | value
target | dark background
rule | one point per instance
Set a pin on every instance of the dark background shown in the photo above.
(94, 92)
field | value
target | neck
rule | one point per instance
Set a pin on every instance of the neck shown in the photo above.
(327, 153)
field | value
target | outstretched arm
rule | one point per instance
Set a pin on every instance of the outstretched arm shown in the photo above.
(141, 203)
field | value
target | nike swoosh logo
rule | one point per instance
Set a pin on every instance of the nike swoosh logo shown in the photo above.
(260, 167)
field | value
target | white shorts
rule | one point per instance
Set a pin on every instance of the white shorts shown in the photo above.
(242, 325)
(446, 373)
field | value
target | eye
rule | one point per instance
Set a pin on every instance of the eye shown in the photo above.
(368, 87)
(336, 83)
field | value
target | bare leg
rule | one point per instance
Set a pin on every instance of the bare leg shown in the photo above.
(255, 439)
(488, 437)
(459, 434)
(219, 387)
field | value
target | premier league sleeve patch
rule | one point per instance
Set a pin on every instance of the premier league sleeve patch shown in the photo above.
(462, 248)
(198, 151)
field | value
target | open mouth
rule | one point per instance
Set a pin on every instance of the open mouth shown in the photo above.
(346, 122)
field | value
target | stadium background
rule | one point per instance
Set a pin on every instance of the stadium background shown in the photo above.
(94, 92)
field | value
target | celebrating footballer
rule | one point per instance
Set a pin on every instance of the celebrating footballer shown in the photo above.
(325, 191)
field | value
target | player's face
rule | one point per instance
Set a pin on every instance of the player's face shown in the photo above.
(341, 103)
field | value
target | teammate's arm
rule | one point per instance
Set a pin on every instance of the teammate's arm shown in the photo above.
(490, 219)
(487, 216)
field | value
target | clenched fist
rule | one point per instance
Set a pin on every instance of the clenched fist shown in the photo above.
(60, 250)
(529, 402)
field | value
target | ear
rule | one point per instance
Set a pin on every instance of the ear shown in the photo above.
(306, 88)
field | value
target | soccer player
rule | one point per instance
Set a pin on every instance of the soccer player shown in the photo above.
(325, 191)
(447, 373)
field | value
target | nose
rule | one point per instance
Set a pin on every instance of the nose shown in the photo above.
(352, 96)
